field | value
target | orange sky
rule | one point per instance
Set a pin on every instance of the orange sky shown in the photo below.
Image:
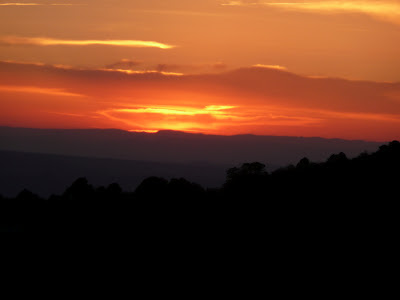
(314, 68)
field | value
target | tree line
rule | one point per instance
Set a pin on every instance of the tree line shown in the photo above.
(365, 185)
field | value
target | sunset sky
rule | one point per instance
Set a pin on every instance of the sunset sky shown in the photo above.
(292, 68)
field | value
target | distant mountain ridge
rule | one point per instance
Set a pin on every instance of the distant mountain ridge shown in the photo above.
(177, 147)
(47, 174)
(47, 160)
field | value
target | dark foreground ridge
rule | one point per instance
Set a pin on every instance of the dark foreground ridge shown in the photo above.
(362, 191)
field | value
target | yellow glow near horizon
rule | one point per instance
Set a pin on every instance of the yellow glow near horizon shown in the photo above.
(144, 130)
(216, 111)
(39, 41)
(218, 107)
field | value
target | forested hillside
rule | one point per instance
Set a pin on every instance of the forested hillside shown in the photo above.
(358, 189)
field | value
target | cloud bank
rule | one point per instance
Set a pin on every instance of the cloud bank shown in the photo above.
(256, 100)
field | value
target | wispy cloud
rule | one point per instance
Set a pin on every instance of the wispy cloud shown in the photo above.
(373, 7)
(67, 114)
(19, 4)
(191, 68)
(38, 90)
(38, 4)
(41, 41)
(275, 67)
(110, 68)
(388, 10)
(130, 66)
(141, 72)
(179, 13)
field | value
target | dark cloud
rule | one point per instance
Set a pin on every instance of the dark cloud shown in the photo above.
(191, 68)
(125, 64)
(136, 65)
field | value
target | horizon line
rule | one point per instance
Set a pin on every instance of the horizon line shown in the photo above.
(154, 132)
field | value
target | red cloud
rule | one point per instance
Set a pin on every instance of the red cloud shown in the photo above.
(252, 100)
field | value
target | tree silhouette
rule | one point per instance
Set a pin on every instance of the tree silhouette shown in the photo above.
(337, 159)
(303, 163)
(338, 193)
(80, 190)
(248, 180)
(181, 189)
(152, 188)
(114, 189)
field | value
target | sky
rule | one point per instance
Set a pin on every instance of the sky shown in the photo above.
(292, 68)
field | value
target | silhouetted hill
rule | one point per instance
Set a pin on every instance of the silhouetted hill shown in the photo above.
(177, 147)
(347, 197)
(46, 174)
